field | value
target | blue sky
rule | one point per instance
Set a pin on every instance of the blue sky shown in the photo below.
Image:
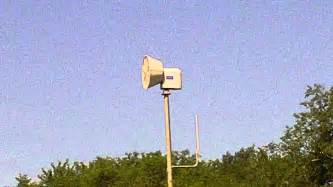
(70, 83)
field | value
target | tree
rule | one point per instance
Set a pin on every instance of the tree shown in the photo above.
(309, 143)
(304, 157)
(25, 181)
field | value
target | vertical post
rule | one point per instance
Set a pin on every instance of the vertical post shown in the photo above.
(166, 94)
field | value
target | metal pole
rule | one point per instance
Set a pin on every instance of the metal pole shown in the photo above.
(166, 94)
(197, 148)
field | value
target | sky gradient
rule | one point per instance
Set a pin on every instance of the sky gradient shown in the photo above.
(70, 75)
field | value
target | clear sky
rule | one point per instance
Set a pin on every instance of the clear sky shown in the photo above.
(70, 83)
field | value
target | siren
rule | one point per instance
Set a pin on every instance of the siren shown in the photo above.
(154, 73)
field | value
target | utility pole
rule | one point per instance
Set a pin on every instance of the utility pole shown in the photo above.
(166, 94)
(154, 73)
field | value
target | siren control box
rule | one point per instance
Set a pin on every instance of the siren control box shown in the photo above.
(172, 79)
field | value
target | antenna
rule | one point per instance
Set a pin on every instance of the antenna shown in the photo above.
(154, 73)
(197, 148)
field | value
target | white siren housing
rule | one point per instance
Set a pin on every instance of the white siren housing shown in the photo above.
(152, 72)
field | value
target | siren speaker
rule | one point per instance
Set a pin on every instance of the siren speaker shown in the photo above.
(152, 72)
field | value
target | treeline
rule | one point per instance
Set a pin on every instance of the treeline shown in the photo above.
(303, 157)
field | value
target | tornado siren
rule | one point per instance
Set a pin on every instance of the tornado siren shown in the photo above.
(154, 73)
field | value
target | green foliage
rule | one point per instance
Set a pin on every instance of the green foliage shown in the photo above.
(304, 157)
(309, 143)
(25, 181)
